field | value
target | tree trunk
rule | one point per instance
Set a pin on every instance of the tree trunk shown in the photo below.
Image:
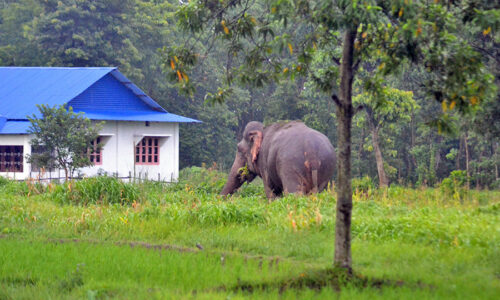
(360, 150)
(383, 181)
(467, 160)
(413, 141)
(495, 147)
(382, 177)
(342, 256)
(66, 176)
(459, 154)
(437, 159)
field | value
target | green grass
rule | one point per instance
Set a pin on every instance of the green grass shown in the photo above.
(63, 242)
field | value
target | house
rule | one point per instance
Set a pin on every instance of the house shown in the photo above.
(139, 137)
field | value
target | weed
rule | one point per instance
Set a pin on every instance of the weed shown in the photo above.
(72, 280)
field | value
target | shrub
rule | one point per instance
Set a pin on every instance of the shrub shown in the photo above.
(455, 181)
(200, 179)
(101, 189)
(13, 187)
(255, 188)
(363, 184)
(4, 181)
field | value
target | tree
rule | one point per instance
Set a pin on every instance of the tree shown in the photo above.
(15, 48)
(64, 136)
(78, 33)
(395, 106)
(340, 36)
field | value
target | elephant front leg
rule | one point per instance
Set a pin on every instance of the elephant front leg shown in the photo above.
(269, 193)
(267, 189)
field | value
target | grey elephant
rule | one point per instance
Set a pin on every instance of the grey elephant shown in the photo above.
(289, 157)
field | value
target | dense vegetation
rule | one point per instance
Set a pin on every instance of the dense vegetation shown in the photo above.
(128, 34)
(101, 238)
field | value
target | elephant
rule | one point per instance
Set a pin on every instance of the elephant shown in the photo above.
(289, 157)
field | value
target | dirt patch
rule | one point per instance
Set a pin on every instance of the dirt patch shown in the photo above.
(130, 244)
(18, 281)
(316, 280)
(272, 261)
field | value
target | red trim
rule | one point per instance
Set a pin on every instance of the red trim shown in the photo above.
(95, 155)
(147, 152)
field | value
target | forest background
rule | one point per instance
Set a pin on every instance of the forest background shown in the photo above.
(130, 35)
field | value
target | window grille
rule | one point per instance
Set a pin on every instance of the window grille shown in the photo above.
(147, 152)
(11, 158)
(95, 152)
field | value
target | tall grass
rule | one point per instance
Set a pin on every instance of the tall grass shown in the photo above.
(94, 190)
(440, 243)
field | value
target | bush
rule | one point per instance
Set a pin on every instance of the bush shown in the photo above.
(495, 185)
(200, 180)
(4, 181)
(13, 187)
(253, 189)
(454, 182)
(102, 189)
(363, 184)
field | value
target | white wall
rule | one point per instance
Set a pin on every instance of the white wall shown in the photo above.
(118, 151)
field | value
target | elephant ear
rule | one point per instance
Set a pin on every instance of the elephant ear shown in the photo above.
(256, 138)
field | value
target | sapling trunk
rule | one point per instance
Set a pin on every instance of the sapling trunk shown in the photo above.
(342, 257)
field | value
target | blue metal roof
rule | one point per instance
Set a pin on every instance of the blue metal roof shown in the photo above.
(15, 127)
(153, 116)
(21, 88)
(102, 93)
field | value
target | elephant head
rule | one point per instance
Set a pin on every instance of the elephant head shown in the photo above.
(245, 166)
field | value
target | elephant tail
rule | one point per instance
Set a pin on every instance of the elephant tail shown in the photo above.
(314, 174)
(312, 165)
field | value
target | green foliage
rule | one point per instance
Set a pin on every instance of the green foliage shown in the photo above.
(73, 280)
(387, 114)
(4, 181)
(201, 180)
(454, 185)
(64, 136)
(363, 184)
(20, 188)
(128, 35)
(95, 190)
(82, 33)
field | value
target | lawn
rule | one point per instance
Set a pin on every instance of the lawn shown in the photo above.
(101, 238)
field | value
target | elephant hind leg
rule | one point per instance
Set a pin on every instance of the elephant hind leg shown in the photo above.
(295, 185)
(269, 193)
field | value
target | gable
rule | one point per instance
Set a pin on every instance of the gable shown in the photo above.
(108, 94)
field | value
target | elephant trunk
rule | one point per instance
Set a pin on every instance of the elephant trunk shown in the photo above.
(234, 179)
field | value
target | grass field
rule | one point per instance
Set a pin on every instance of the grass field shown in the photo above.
(100, 239)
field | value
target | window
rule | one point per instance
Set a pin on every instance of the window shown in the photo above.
(95, 153)
(147, 152)
(11, 158)
(41, 151)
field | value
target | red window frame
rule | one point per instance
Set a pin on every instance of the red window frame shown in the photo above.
(95, 153)
(147, 151)
(11, 158)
